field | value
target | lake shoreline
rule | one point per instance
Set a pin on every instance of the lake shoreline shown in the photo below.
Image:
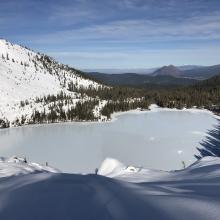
(116, 115)
(156, 108)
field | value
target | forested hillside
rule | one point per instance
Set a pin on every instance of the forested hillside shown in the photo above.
(37, 89)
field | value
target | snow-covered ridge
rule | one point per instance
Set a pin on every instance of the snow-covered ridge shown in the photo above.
(25, 75)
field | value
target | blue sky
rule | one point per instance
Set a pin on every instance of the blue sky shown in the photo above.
(116, 33)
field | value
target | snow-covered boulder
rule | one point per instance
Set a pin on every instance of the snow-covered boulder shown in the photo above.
(111, 167)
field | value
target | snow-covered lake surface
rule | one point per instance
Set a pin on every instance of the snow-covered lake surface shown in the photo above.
(158, 139)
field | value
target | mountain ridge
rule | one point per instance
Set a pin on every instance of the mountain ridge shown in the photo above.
(141, 80)
(27, 76)
(203, 72)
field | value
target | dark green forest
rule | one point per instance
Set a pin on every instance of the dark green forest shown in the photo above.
(205, 94)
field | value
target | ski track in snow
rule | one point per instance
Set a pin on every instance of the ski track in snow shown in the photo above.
(119, 192)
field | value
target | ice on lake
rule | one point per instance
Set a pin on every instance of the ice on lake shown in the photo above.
(154, 139)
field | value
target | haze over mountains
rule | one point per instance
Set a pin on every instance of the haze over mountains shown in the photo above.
(137, 70)
(120, 71)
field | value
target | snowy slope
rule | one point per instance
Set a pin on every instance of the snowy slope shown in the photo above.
(133, 193)
(25, 75)
(15, 166)
(207, 167)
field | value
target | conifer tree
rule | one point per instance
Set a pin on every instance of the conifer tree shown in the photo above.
(211, 145)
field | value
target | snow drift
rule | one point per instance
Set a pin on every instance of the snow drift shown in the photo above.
(133, 193)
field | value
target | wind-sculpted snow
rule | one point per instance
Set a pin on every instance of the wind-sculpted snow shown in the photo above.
(133, 193)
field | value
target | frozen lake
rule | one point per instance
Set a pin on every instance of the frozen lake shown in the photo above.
(157, 139)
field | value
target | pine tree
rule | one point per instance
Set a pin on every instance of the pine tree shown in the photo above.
(211, 145)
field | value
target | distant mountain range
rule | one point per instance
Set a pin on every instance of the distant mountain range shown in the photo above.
(203, 72)
(165, 76)
(140, 80)
(199, 73)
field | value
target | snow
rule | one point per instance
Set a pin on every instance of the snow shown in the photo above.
(111, 167)
(14, 166)
(156, 108)
(34, 192)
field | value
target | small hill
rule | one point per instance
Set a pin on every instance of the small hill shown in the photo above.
(168, 71)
